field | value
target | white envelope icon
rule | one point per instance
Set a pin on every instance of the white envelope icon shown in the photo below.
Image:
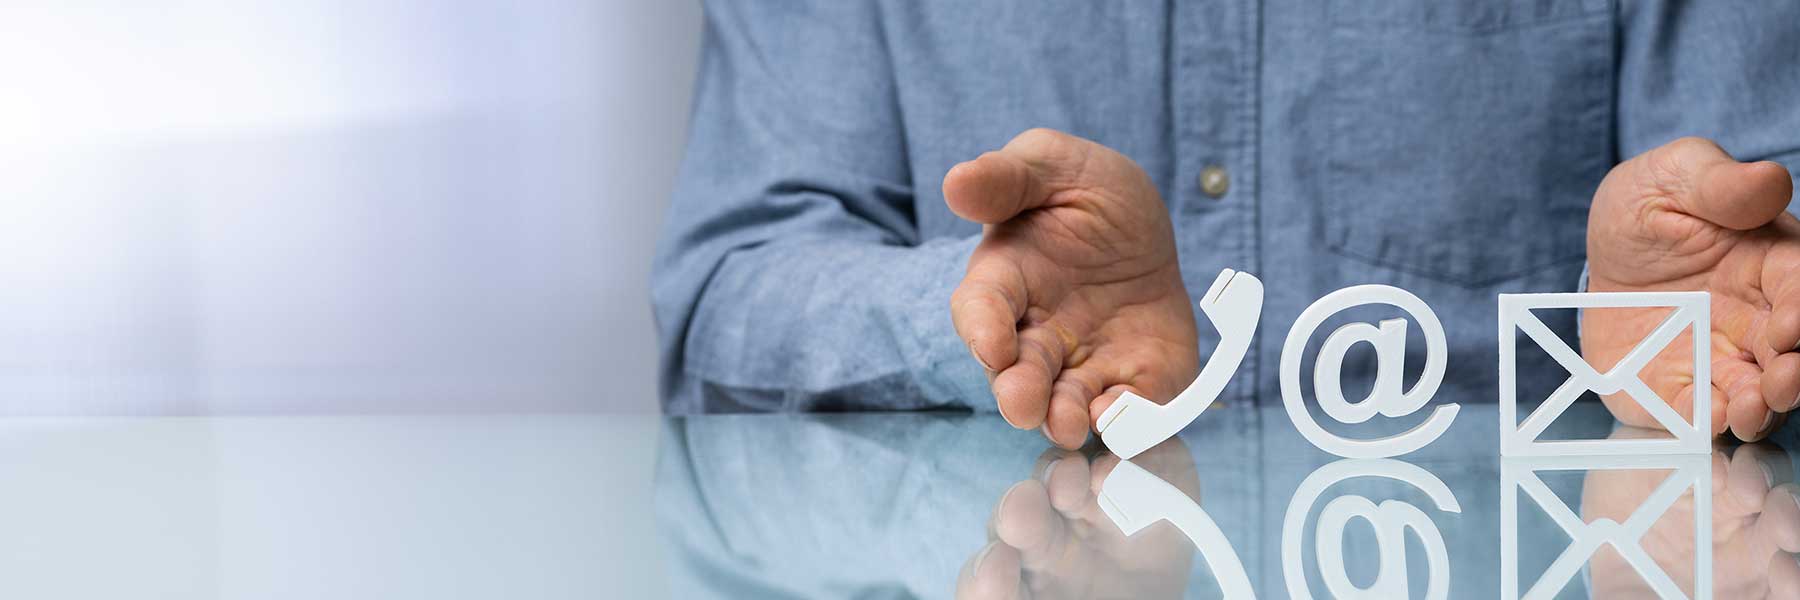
(1689, 474)
(1692, 312)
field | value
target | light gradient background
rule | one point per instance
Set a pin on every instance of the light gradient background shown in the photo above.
(231, 207)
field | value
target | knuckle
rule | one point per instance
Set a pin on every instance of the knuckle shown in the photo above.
(1044, 351)
(1039, 135)
(994, 303)
(962, 295)
(1044, 144)
(1695, 144)
(1677, 156)
(979, 299)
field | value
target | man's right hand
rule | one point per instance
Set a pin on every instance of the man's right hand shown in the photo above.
(1074, 294)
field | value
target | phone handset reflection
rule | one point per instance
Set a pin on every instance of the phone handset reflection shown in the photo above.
(1134, 498)
(1133, 424)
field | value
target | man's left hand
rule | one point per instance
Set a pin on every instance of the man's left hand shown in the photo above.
(1687, 216)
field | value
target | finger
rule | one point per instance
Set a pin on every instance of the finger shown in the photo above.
(986, 308)
(993, 188)
(1721, 465)
(1105, 400)
(1738, 384)
(1068, 423)
(1784, 575)
(1781, 382)
(1066, 481)
(1780, 327)
(1025, 520)
(1684, 406)
(1750, 418)
(1102, 466)
(1776, 459)
(1781, 515)
(1721, 190)
(1750, 475)
(1782, 331)
(1023, 389)
(1780, 285)
(999, 185)
(1040, 468)
(993, 574)
(1029, 173)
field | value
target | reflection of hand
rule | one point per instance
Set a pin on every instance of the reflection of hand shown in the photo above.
(1049, 538)
(1756, 525)
(1074, 294)
(1686, 216)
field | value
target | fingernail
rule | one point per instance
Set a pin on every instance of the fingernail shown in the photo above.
(982, 556)
(1048, 469)
(1001, 505)
(1045, 428)
(978, 360)
(1767, 473)
(1001, 407)
(1768, 421)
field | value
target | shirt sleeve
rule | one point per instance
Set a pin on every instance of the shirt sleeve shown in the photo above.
(791, 273)
(1729, 72)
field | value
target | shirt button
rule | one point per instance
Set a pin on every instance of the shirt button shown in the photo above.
(1214, 181)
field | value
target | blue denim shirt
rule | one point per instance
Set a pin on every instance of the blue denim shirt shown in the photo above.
(1448, 148)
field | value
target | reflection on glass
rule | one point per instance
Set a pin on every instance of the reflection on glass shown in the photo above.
(1134, 499)
(1390, 519)
(930, 506)
(830, 506)
(1623, 529)
(1747, 509)
(1050, 537)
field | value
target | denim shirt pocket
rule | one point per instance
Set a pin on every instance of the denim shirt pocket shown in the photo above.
(1467, 137)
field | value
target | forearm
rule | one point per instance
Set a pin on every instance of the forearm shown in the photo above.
(813, 324)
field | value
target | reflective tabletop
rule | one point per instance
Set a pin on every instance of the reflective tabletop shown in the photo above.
(870, 505)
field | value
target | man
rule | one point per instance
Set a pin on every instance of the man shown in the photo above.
(839, 192)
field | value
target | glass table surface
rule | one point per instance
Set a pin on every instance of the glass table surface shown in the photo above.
(870, 505)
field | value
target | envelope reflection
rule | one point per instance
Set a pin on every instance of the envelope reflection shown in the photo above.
(1688, 476)
(1755, 527)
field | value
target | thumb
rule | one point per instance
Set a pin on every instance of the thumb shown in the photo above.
(1723, 191)
(993, 188)
(1031, 171)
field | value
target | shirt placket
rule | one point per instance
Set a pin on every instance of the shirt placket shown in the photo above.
(1214, 95)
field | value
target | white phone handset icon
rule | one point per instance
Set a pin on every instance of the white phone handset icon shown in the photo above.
(1133, 424)
(1134, 498)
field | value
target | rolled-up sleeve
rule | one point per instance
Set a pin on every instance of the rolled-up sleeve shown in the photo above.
(792, 274)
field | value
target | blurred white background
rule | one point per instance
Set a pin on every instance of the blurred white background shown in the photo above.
(335, 206)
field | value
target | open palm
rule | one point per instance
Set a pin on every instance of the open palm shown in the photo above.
(1686, 216)
(1074, 294)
